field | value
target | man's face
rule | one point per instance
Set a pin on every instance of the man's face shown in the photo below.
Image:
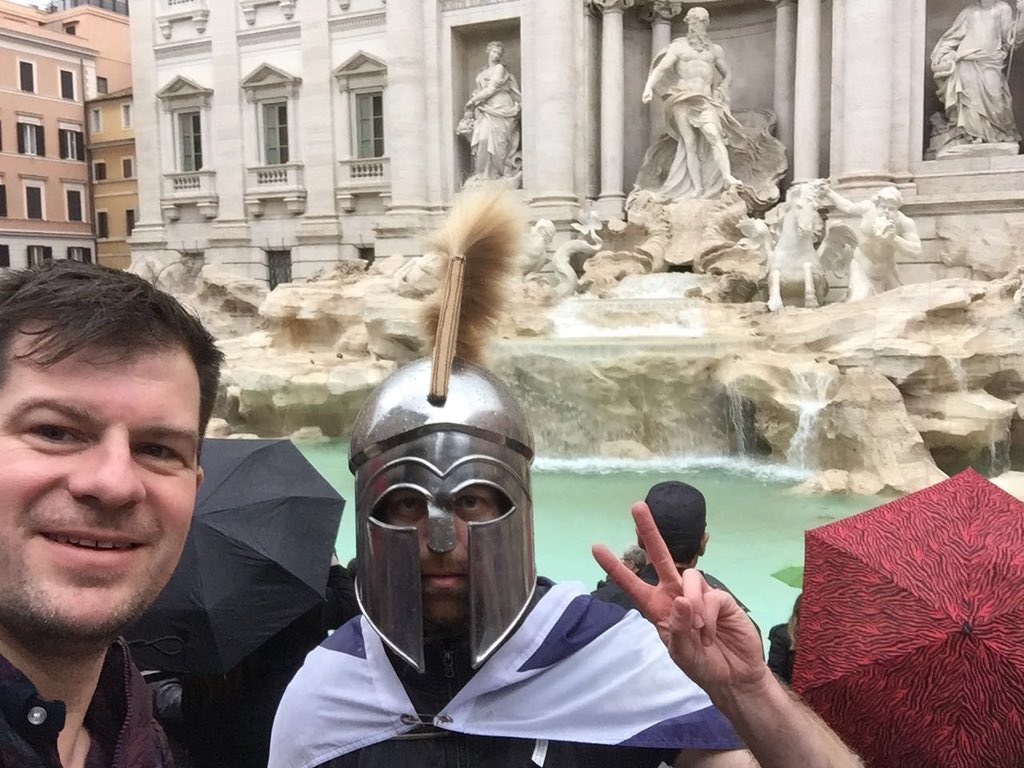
(99, 479)
(445, 575)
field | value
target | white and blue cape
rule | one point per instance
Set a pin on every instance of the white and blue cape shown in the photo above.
(575, 670)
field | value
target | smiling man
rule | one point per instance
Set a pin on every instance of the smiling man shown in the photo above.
(106, 385)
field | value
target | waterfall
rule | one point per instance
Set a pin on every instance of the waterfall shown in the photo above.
(999, 453)
(812, 393)
(743, 441)
(956, 370)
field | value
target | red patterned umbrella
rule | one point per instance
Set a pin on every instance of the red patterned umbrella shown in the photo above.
(911, 635)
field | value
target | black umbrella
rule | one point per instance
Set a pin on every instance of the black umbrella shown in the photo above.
(256, 558)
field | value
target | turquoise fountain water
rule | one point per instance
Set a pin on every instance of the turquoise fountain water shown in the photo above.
(755, 520)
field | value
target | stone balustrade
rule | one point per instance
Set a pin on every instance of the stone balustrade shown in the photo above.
(360, 176)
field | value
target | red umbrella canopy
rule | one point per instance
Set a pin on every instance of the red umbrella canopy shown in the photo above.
(911, 634)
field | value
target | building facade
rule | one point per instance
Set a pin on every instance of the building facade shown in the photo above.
(280, 136)
(110, 144)
(50, 64)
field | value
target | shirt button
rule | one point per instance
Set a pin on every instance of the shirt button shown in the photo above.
(37, 716)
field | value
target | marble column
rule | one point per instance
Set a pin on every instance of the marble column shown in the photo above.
(556, 85)
(149, 228)
(660, 14)
(864, 128)
(785, 69)
(807, 92)
(407, 116)
(613, 95)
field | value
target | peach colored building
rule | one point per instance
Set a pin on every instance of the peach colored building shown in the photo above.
(48, 68)
(110, 144)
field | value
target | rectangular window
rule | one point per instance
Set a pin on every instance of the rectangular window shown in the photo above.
(27, 76)
(102, 224)
(39, 255)
(31, 139)
(126, 115)
(275, 134)
(128, 167)
(129, 222)
(72, 144)
(67, 85)
(370, 124)
(3, 201)
(190, 132)
(102, 86)
(279, 268)
(74, 200)
(99, 171)
(78, 253)
(71, 28)
(33, 202)
(5, 255)
(95, 120)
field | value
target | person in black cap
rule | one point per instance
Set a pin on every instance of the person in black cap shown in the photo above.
(680, 513)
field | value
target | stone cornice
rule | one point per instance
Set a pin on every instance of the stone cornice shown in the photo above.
(171, 50)
(458, 5)
(289, 31)
(355, 20)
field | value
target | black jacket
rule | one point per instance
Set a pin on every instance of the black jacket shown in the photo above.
(610, 592)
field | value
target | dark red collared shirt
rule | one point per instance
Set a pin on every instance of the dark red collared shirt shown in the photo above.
(119, 720)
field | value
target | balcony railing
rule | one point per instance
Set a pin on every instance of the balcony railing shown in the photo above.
(276, 182)
(362, 176)
(115, 6)
(197, 188)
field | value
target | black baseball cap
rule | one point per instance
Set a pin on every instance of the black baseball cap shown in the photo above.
(680, 513)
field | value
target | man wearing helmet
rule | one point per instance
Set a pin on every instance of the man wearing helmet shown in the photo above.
(463, 657)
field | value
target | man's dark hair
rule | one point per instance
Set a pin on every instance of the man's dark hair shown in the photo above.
(67, 307)
(680, 513)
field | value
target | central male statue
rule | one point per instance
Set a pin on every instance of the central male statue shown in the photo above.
(693, 78)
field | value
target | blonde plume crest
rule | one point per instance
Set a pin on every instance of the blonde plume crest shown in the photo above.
(480, 242)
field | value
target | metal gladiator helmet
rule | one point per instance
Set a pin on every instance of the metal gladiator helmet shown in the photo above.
(436, 426)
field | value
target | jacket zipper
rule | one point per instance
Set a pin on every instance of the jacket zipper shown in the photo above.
(459, 742)
(127, 677)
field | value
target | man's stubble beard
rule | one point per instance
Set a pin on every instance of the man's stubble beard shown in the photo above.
(34, 623)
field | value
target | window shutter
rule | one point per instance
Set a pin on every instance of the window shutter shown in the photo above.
(3, 200)
(5, 256)
(62, 143)
(21, 138)
(40, 140)
(47, 254)
(79, 146)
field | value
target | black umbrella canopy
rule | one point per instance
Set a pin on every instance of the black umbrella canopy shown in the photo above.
(256, 558)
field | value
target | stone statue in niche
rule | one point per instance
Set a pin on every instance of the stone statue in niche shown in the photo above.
(491, 121)
(883, 236)
(970, 64)
(692, 78)
(708, 148)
